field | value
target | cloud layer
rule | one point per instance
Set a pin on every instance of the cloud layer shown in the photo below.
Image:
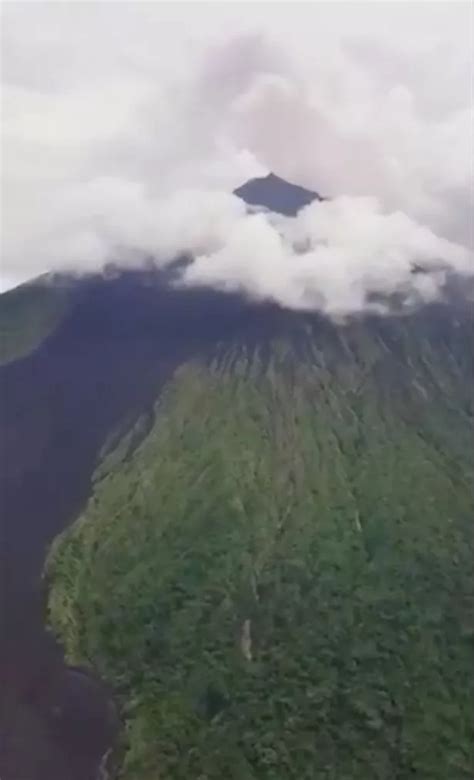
(341, 256)
(127, 141)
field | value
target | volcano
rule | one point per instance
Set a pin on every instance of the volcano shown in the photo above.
(257, 533)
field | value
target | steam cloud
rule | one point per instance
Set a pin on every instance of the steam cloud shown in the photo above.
(126, 143)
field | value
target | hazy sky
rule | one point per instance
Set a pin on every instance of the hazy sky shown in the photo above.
(127, 125)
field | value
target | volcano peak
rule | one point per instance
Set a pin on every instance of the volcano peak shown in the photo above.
(276, 194)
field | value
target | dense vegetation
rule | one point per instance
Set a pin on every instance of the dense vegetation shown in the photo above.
(27, 315)
(278, 579)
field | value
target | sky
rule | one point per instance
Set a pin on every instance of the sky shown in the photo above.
(126, 126)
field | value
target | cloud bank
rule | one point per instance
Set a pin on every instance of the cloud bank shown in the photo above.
(340, 257)
(127, 141)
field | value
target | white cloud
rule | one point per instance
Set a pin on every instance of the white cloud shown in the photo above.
(331, 257)
(127, 125)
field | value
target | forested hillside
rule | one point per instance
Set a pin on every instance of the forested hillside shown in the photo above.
(275, 573)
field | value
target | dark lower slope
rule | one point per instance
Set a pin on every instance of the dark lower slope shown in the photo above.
(105, 361)
(278, 582)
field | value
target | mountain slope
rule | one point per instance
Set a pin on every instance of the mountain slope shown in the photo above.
(277, 580)
(28, 314)
(249, 499)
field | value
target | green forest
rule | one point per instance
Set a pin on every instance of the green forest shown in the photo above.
(276, 576)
